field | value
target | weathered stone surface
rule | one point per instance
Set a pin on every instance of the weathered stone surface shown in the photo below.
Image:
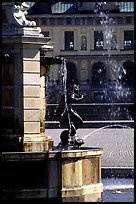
(53, 175)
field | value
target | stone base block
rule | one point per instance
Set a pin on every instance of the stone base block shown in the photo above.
(37, 143)
(86, 193)
(62, 176)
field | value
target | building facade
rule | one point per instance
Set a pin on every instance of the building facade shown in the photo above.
(97, 42)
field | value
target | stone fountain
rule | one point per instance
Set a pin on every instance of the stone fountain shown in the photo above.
(31, 168)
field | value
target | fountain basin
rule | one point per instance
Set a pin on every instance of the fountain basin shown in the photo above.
(65, 176)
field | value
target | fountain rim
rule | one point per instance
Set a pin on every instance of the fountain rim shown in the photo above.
(34, 156)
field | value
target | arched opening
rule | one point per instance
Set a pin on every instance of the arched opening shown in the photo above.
(98, 74)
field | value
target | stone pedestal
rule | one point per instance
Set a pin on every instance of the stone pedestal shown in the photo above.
(29, 92)
(23, 82)
(62, 176)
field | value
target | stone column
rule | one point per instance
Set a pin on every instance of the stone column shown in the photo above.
(34, 99)
(29, 90)
(23, 44)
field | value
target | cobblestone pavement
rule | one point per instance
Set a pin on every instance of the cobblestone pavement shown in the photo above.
(117, 144)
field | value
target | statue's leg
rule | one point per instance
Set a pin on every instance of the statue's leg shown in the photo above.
(76, 123)
(72, 129)
(76, 119)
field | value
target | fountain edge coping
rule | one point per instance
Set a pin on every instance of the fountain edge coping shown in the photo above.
(33, 156)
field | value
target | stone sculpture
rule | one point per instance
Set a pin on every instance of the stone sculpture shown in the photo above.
(20, 12)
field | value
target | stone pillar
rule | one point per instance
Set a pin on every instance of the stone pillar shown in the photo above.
(23, 44)
(34, 100)
(29, 90)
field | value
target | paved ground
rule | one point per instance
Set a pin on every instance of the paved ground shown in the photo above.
(117, 144)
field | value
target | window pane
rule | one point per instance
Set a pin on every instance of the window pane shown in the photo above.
(69, 40)
(128, 39)
(98, 40)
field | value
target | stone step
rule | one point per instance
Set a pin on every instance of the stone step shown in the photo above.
(95, 112)
(95, 124)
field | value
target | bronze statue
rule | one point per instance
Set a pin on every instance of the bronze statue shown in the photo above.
(67, 116)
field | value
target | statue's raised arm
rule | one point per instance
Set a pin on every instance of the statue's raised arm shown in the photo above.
(74, 95)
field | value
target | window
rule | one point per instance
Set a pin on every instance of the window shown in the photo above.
(98, 40)
(69, 21)
(129, 19)
(52, 21)
(43, 21)
(128, 39)
(69, 40)
(77, 21)
(126, 6)
(60, 21)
